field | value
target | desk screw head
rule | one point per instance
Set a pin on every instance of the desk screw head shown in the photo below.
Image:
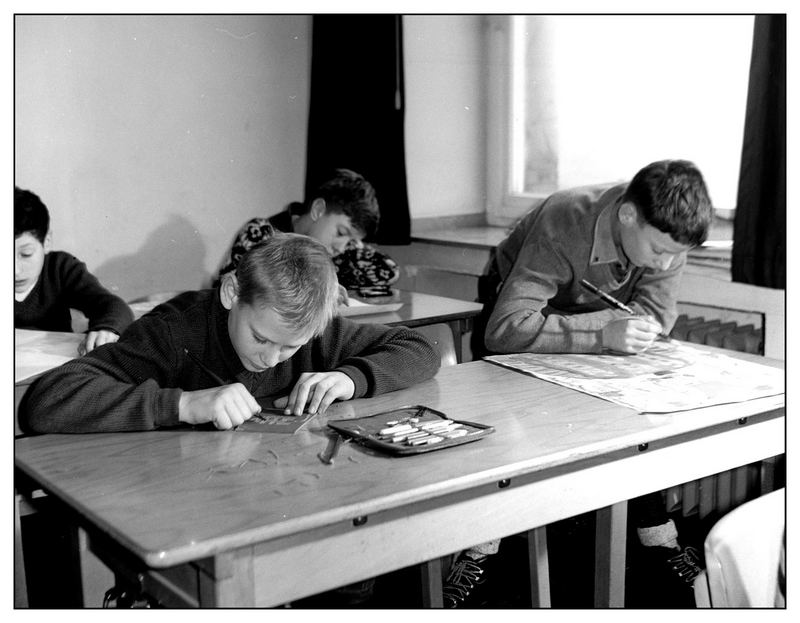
(360, 521)
(741, 421)
(643, 447)
(504, 483)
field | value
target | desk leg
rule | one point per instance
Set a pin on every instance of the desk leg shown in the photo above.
(538, 565)
(230, 583)
(431, 576)
(20, 584)
(609, 563)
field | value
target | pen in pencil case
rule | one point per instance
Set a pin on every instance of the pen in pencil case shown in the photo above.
(204, 367)
(615, 303)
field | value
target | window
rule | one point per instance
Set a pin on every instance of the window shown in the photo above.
(582, 99)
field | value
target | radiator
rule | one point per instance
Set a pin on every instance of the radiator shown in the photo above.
(716, 495)
(746, 338)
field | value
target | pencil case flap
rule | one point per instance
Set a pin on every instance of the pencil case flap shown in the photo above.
(418, 429)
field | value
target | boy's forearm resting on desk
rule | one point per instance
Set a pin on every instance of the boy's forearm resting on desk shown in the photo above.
(525, 330)
(520, 324)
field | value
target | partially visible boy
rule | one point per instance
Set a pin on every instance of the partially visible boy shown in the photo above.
(630, 240)
(270, 331)
(340, 214)
(47, 284)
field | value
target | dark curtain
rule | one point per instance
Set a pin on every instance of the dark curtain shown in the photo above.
(759, 234)
(357, 111)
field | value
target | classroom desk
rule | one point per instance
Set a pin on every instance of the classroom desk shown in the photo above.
(247, 519)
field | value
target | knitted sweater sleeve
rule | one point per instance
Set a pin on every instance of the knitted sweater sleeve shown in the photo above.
(379, 359)
(127, 386)
(83, 291)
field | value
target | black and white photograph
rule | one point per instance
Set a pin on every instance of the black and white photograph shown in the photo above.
(342, 309)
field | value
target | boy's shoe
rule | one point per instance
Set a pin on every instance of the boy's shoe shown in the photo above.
(463, 587)
(668, 575)
(685, 565)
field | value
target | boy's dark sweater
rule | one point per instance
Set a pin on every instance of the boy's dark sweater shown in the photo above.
(65, 283)
(136, 383)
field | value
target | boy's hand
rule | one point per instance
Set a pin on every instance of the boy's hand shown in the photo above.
(631, 335)
(226, 406)
(94, 339)
(319, 390)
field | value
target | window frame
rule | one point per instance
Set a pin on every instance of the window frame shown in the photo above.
(504, 206)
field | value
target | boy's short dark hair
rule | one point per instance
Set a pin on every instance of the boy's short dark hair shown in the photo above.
(30, 215)
(671, 196)
(292, 274)
(349, 193)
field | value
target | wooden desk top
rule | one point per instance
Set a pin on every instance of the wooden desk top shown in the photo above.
(175, 496)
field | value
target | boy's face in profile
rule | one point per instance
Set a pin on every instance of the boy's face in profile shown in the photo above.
(643, 244)
(259, 335)
(334, 230)
(29, 255)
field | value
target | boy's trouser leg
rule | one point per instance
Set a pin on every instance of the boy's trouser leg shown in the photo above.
(653, 524)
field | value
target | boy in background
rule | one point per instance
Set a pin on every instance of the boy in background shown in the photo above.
(270, 331)
(630, 240)
(48, 283)
(342, 212)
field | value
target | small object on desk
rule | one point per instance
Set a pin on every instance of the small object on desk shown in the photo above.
(374, 291)
(617, 304)
(273, 420)
(361, 308)
(431, 430)
(330, 452)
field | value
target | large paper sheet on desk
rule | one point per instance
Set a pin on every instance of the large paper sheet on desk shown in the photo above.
(667, 377)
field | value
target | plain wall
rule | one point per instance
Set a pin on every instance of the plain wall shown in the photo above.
(152, 139)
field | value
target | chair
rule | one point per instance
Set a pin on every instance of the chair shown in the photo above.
(742, 552)
(442, 337)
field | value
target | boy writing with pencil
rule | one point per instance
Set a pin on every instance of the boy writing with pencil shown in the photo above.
(270, 331)
(589, 270)
(48, 283)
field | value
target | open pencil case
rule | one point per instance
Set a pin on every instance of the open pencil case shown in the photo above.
(412, 429)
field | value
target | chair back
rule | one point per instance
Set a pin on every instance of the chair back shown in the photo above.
(742, 553)
(442, 337)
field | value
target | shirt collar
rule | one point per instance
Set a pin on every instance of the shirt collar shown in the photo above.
(604, 249)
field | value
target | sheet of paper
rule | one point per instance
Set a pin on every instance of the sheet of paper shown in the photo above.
(667, 377)
(36, 352)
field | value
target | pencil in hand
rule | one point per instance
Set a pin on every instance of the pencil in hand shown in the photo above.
(204, 368)
(610, 300)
